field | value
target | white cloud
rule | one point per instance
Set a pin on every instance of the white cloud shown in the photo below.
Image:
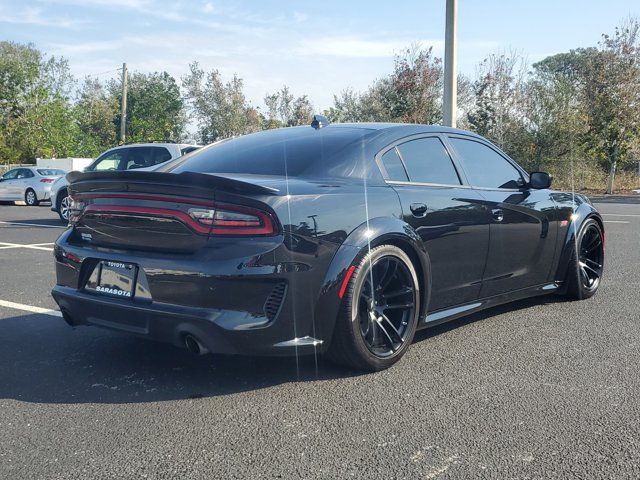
(208, 7)
(35, 16)
(357, 47)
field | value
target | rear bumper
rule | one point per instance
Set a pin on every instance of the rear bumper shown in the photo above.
(228, 304)
(172, 323)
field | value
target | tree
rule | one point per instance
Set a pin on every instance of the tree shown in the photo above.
(95, 112)
(35, 109)
(499, 92)
(612, 96)
(155, 107)
(285, 110)
(221, 109)
(412, 93)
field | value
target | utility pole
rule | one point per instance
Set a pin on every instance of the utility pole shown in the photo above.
(123, 106)
(450, 103)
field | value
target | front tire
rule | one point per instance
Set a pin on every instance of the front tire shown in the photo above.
(587, 263)
(30, 198)
(379, 312)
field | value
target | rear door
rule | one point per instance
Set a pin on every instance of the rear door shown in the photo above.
(523, 226)
(449, 217)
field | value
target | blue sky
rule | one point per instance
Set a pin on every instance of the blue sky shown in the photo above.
(317, 48)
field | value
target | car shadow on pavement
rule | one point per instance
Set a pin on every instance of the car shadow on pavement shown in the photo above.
(45, 361)
(45, 222)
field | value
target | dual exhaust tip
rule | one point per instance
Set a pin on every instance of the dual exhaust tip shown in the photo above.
(194, 345)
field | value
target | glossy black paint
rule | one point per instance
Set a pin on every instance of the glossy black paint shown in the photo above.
(471, 247)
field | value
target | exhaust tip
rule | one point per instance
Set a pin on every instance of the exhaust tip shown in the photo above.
(194, 346)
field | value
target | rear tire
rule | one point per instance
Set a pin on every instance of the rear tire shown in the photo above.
(62, 206)
(379, 311)
(587, 263)
(30, 198)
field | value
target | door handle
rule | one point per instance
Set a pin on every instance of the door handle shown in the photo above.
(418, 209)
(497, 214)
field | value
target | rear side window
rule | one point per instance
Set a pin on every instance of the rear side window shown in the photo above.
(50, 171)
(427, 161)
(393, 166)
(484, 166)
(25, 173)
(186, 150)
(144, 157)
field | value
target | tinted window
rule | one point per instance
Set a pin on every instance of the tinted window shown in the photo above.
(485, 167)
(11, 174)
(186, 150)
(393, 166)
(297, 151)
(25, 173)
(144, 157)
(427, 161)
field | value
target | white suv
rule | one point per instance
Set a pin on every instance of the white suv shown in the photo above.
(143, 156)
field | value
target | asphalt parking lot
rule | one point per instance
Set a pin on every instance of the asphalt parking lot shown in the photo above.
(542, 388)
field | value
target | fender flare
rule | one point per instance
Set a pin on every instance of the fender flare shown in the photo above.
(378, 231)
(583, 213)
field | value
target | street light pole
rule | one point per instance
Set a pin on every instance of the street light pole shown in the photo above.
(450, 101)
(123, 105)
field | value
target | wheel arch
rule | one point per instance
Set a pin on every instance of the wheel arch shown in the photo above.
(59, 194)
(378, 231)
(582, 214)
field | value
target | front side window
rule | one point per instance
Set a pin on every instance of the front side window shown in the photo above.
(427, 161)
(11, 174)
(484, 166)
(109, 161)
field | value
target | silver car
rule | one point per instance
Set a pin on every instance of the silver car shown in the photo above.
(30, 184)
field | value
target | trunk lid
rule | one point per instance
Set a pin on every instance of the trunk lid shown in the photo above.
(156, 211)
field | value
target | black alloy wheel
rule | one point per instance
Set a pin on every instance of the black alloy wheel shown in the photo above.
(585, 274)
(380, 311)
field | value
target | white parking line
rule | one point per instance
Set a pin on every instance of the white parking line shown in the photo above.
(23, 224)
(615, 221)
(621, 215)
(30, 308)
(33, 246)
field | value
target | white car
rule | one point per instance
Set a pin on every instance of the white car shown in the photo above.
(143, 156)
(30, 184)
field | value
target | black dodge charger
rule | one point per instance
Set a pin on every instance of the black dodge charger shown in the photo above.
(336, 239)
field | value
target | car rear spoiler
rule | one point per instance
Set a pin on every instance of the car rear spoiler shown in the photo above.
(90, 181)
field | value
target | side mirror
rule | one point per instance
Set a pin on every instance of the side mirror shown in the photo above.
(539, 180)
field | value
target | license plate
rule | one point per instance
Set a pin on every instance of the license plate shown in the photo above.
(116, 279)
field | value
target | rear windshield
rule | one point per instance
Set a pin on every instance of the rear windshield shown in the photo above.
(45, 172)
(292, 151)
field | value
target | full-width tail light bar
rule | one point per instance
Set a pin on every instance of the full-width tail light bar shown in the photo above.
(205, 218)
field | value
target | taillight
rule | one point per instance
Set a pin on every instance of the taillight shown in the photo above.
(47, 180)
(234, 220)
(76, 207)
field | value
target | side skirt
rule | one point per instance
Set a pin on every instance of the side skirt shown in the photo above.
(441, 316)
